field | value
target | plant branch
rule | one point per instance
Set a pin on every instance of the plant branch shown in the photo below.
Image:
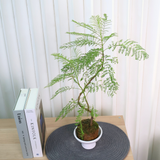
(83, 91)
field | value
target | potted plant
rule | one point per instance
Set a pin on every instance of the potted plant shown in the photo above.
(85, 69)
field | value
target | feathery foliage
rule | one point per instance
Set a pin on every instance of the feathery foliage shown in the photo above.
(94, 68)
(69, 107)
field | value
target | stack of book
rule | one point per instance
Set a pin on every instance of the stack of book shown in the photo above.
(30, 122)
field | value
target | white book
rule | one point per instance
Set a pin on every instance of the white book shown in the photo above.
(35, 122)
(20, 120)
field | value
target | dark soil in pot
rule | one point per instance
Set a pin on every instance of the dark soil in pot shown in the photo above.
(90, 132)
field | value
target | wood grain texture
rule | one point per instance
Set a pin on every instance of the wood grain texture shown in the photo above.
(9, 143)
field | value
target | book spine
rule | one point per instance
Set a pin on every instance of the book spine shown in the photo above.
(42, 125)
(32, 124)
(23, 134)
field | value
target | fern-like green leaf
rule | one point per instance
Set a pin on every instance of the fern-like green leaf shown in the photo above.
(69, 107)
(79, 42)
(82, 62)
(82, 34)
(110, 85)
(126, 48)
(58, 78)
(94, 112)
(106, 38)
(60, 57)
(60, 90)
(84, 25)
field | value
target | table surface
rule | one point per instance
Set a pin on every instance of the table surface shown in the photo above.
(10, 148)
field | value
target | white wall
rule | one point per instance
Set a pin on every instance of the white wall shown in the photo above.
(31, 30)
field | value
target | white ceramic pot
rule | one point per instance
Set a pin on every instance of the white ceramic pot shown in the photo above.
(89, 144)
